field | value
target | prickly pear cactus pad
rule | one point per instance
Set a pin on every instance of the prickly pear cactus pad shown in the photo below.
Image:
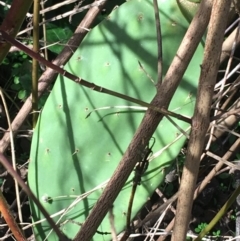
(73, 156)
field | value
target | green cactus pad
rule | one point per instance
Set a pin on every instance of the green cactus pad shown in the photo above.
(71, 154)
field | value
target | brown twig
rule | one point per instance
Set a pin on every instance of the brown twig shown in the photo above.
(234, 37)
(140, 168)
(13, 21)
(201, 118)
(159, 41)
(5, 211)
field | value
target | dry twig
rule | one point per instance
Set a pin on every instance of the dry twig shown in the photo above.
(201, 118)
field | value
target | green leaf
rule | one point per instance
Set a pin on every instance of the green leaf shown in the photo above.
(16, 65)
(22, 94)
(16, 80)
(197, 230)
(57, 36)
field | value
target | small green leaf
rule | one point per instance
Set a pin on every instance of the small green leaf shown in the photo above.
(217, 233)
(16, 80)
(197, 230)
(57, 36)
(200, 227)
(16, 65)
(22, 94)
(24, 56)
